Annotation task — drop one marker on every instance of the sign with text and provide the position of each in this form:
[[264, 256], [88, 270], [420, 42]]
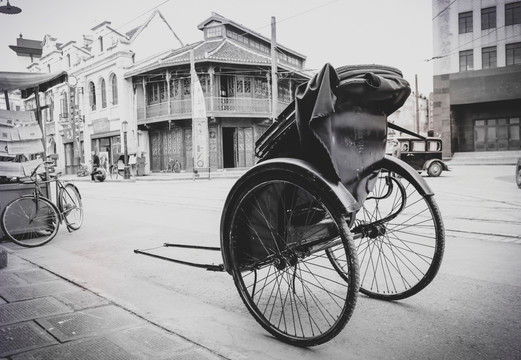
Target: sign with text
[[199, 121]]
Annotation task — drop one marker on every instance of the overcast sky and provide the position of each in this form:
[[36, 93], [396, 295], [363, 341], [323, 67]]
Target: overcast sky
[[341, 32]]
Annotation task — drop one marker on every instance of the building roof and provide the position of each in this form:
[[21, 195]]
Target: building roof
[[217, 18], [224, 50], [27, 46]]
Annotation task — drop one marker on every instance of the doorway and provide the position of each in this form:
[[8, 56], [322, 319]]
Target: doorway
[[497, 134], [229, 147]]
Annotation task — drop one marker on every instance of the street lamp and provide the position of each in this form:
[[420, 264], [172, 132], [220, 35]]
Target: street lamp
[[124, 128]]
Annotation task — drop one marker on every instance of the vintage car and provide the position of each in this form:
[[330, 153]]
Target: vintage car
[[518, 173], [421, 154]]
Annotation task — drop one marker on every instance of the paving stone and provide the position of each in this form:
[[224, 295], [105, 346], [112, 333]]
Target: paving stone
[[31, 309], [89, 322], [2, 302], [32, 291], [82, 299], [15, 263], [36, 276], [196, 354], [150, 342], [22, 337], [10, 279], [87, 349]]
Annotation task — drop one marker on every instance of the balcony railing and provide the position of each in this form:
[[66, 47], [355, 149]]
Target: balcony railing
[[217, 106]]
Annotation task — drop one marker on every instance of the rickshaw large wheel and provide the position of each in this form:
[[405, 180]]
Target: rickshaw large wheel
[[280, 226], [399, 235]]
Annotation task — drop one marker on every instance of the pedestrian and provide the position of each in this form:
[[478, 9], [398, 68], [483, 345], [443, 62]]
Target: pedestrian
[[95, 165]]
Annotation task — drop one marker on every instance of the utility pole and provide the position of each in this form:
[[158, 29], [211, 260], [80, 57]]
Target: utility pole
[[274, 82], [417, 105]]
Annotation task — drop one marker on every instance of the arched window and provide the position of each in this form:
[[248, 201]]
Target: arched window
[[103, 94], [92, 96], [114, 84]]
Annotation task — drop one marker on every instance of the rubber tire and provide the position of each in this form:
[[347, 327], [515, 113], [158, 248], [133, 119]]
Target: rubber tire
[[399, 242], [70, 193], [435, 169], [241, 204], [28, 202]]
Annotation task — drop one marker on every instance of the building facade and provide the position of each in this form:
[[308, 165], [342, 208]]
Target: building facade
[[477, 74], [133, 77], [86, 114], [233, 66]]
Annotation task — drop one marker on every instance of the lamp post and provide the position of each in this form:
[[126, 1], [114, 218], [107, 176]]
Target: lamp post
[[124, 128]]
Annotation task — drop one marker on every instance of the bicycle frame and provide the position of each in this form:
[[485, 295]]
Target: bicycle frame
[[59, 186]]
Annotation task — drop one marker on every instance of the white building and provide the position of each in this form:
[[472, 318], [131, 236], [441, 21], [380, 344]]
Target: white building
[[88, 116], [477, 74]]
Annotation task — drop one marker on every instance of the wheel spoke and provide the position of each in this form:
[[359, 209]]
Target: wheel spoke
[[291, 288]]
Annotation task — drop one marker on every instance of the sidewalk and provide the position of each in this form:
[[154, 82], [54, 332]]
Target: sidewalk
[[43, 316], [188, 175]]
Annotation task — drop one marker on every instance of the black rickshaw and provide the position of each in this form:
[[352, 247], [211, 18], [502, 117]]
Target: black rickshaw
[[325, 213]]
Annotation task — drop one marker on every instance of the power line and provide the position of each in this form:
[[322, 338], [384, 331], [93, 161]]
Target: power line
[[118, 28], [446, 7], [453, 51]]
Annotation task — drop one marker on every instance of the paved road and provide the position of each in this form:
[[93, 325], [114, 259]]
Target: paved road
[[470, 311]]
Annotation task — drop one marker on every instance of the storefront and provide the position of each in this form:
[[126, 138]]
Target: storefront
[[74, 151], [105, 142], [231, 143]]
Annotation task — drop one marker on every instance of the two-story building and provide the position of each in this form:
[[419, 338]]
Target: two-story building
[[477, 74], [234, 67]]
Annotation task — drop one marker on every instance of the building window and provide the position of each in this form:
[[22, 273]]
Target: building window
[[49, 67], [465, 22], [100, 44], [488, 18], [513, 54], [68, 60], [513, 13], [64, 106], [489, 57], [103, 94], [213, 32], [114, 85], [92, 96], [466, 60], [187, 83]]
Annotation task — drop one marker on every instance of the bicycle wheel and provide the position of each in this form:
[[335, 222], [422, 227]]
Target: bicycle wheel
[[30, 224], [399, 236], [281, 223], [71, 207]]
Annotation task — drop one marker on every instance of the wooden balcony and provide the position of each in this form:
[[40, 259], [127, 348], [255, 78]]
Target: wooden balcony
[[215, 106]]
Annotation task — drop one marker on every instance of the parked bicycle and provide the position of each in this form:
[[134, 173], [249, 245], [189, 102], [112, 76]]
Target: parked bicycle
[[83, 171], [33, 220]]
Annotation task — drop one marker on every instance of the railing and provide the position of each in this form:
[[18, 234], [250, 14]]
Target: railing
[[214, 105]]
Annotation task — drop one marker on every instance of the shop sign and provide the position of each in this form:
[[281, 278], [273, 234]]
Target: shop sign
[[101, 125]]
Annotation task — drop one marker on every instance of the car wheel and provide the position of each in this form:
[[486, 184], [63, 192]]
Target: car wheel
[[434, 169]]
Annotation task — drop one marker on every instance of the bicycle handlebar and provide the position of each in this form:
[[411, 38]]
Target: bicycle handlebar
[[46, 163]]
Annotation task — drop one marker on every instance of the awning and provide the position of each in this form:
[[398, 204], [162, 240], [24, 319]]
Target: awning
[[105, 134], [27, 81]]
